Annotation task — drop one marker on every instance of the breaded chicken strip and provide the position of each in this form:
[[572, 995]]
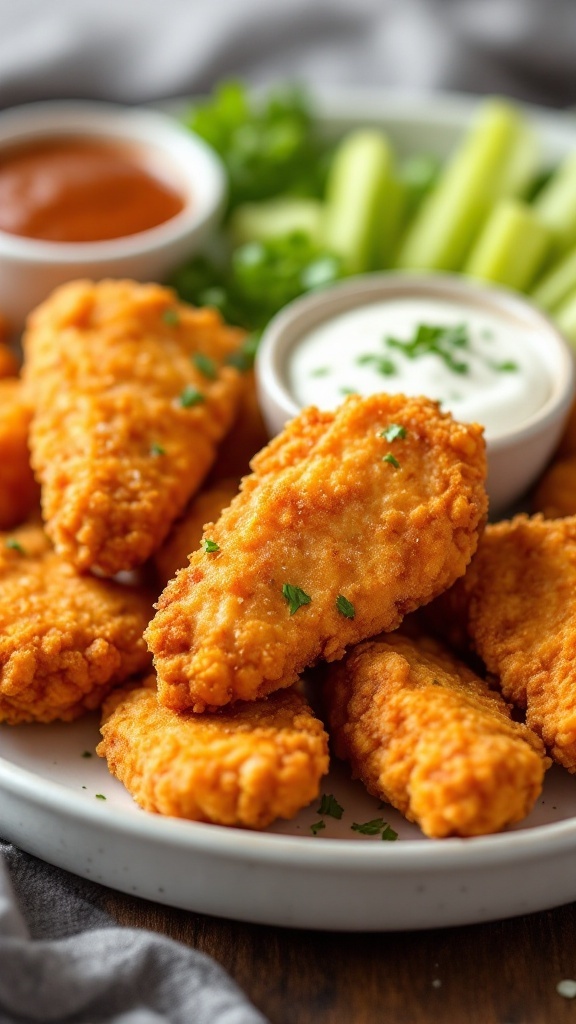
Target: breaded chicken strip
[[65, 640], [555, 495], [426, 734], [349, 521], [19, 492], [245, 766], [8, 361], [517, 605], [132, 393], [246, 436], [187, 532]]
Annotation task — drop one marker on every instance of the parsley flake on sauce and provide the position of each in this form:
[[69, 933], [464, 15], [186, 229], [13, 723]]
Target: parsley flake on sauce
[[210, 545], [317, 827], [394, 431], [345, 607], [330, 806], [390, 458], [382, 364], [295, 597], [14, 545], [432, 339], [100, 796], [171, 317], [190, 397], [205, 365], [156, 450]]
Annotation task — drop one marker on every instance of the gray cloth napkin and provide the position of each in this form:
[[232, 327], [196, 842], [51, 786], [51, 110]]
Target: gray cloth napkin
[[63, 959]]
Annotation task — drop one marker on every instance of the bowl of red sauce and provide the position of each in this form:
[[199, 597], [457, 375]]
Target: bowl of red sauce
[[98, 190]]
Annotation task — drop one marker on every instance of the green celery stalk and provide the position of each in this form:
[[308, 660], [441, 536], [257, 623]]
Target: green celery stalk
[[358, 180], [512, 246], [275, 218], [565, 317], [497, 158], [557, 283], [556, 204]]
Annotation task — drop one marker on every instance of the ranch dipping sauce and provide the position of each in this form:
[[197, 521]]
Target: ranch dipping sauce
[[482, 367]]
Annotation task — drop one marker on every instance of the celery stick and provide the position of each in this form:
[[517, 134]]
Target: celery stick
[[275, 218], [557, 283], [391, 221], [512, 246], [358, 180], [497, 158], [556, 204], [565, 317]]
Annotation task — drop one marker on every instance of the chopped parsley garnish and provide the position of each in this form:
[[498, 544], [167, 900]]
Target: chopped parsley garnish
[[317, 827], [14, 545], [243, 358], [388, 834], [87, 753], [348, 391], [390, 458], [171, 317], [382, 364], [431, 339], [321, 371], [206, 365], [191, 396], [100, 796], [508, 366], [374, 828], [345, 607], [330, 806], [210, 545], [394, 431], [295, 597], [156, 450]]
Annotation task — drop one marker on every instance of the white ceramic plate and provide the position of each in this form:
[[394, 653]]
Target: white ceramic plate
[[337, 879]]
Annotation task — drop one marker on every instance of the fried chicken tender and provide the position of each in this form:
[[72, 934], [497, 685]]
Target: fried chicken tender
[[517, 605], [19, 492], [247, 436], [245, 766], [424, 733], [187, 532], [324, 516], [555, 495], [8, 361], [65, 640], [132, 394]]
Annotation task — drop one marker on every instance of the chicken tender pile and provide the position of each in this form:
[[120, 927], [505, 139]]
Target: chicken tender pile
[[140, 415], [425, 733]]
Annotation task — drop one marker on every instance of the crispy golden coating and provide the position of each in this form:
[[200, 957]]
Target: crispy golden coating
[[132, 394], [19, 492], [187, 532], [65, 640], [555, 495], [8, 361], [246, 436], [325, 512], [426, 734], [517, 604], [245, 766]]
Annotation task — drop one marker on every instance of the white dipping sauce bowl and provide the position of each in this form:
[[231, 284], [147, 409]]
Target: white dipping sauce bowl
[[517, 456], [31, 268]]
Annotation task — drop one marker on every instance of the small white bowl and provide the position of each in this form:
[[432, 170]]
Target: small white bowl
[[30, 268], [517, 456]]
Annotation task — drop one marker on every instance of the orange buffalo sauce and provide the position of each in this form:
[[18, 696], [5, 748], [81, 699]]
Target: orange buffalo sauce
[[82, 190]]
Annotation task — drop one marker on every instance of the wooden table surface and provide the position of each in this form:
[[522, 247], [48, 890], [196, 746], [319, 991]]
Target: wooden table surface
[[501, 973]]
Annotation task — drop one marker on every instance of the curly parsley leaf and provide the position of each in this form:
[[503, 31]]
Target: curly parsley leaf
[[345, 607], [317, 827], [391, 460], [205, 365], [330, 806], [210, 545], [190, 397], [295, 597], [393, 432]]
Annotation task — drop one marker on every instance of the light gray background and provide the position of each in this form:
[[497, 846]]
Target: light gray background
[[134, 50]]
